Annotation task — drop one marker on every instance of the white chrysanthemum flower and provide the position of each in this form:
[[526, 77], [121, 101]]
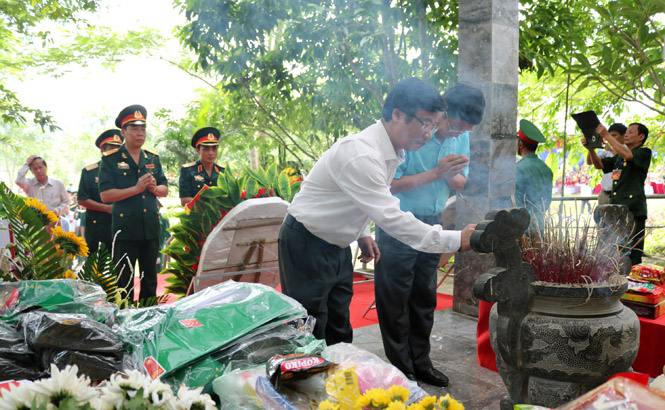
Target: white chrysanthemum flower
[[193, 399], [20, 396], [158, 393], [64, 383], [121, 386]]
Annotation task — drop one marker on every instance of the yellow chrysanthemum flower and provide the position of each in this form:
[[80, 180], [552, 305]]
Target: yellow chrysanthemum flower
[[71, 244], [47, 217], [397, 392], [448, 403], [328, 405], [396, 405], [428, 402], [415, 406], [289, 171], [373, 398], [67, 275]]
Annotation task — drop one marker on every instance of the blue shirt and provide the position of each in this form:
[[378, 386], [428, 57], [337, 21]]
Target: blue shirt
[[430, 199]]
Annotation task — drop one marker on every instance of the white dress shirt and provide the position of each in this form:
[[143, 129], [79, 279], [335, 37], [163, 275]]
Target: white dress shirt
[[52, 194], [606, 179], [350, 185]]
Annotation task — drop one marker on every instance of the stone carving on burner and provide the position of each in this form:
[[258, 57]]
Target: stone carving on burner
[[553, 342]]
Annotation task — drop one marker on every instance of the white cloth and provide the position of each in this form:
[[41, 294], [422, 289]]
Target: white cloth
[[350, 185], [606, 180], [53, 194]]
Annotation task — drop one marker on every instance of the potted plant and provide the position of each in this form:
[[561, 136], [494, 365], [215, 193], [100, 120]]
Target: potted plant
[[558, 327]]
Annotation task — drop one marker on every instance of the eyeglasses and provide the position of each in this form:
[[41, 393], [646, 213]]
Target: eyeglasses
[[454, 127], [427, 126]]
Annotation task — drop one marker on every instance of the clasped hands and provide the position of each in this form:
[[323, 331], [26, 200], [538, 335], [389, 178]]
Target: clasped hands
[[148, 182], [451, 165]]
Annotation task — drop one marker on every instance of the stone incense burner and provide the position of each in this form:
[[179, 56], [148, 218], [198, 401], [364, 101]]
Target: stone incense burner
[[552, 342]]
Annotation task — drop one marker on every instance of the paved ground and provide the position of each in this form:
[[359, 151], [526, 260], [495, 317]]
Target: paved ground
[[454, 353]]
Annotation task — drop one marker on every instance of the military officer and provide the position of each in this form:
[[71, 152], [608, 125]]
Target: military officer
[[533, 180], [629, 168], [132, 178], [194, 175], [98, 214]]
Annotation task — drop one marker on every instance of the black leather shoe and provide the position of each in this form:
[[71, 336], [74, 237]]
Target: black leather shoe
[[433, 377], [411, 377]]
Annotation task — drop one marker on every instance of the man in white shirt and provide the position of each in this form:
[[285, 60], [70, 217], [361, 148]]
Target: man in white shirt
[[347, 188], [617, 130], [50, 191]]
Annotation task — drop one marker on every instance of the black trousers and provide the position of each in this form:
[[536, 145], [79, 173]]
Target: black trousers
[[126, 253], [319, 275], [405, 289]]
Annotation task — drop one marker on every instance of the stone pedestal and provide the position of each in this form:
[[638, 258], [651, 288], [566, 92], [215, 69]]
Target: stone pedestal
[[488, 60]]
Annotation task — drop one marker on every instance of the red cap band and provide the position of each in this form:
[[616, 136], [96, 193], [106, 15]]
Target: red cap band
[[207, 139], [524, 138], [137, 116]]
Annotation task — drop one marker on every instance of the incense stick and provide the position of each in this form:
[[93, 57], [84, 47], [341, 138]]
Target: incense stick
[[469, 205]]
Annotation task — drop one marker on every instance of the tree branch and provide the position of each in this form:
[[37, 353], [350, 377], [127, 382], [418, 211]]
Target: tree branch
[[198, 77], [359, 75]]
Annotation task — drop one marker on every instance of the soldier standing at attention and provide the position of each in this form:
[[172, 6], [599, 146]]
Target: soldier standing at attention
[[533, 179], [98, 214], [194, 175], [132, 178]]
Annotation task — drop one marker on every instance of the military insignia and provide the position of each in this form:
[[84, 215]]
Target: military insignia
[[199, 168], [149, 166], [198, 178], [92, 166], [138, 115], [96, 180], [113, 151], [123, 165], [124, 156], [152, 152], [189, 164]]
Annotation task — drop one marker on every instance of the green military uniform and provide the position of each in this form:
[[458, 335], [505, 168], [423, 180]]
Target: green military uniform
[[97, 223], [533, 178], [193, 177], [628, 189], [135, 220]]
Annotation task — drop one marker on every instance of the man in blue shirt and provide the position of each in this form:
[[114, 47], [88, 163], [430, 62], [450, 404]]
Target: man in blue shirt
[[405, 280]]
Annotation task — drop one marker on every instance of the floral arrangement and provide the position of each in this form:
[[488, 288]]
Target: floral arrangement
[[208, 208], [65, 390], [394, 398], [40, 251]]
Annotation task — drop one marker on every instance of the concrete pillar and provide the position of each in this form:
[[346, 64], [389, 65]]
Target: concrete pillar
[[488, 60]]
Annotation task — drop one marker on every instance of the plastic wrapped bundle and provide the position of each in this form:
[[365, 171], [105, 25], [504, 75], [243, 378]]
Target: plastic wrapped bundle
[[58, 331], [57, 295], [19, 367], [97, 367], [11, 341], [255, 348], [171, 338], [16, 359]]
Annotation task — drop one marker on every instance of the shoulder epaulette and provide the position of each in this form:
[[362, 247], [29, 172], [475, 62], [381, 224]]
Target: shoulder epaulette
[[189, 164], [92, 166], [152, 152], [113, 151]]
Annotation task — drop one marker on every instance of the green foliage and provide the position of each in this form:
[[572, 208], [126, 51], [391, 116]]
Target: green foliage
[[35, 255], [27, 44], [99, 269], [207, 210], [299, 75]]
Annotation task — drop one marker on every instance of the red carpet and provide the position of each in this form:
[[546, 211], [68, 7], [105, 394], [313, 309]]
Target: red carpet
[[363, 295]]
